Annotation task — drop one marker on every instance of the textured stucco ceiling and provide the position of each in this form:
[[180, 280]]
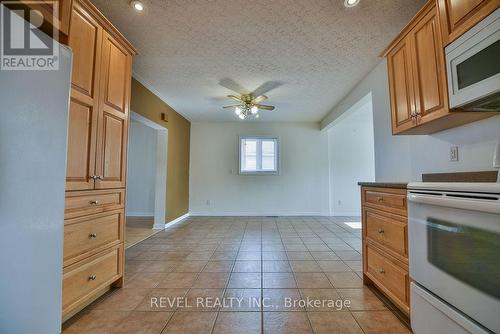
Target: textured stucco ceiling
[[316, 49]]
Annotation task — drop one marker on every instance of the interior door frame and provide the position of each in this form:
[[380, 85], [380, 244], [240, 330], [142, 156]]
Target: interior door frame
[[160, 206]]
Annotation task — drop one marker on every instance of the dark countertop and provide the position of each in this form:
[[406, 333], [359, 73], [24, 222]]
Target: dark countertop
[[397, 185]]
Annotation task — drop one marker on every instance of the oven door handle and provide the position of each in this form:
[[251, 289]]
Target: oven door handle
[[474, 204]]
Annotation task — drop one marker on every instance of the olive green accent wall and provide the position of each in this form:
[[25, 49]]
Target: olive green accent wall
[[144, 102]]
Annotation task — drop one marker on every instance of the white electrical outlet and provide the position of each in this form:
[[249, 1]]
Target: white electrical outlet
[[454, 153], [496, 155]]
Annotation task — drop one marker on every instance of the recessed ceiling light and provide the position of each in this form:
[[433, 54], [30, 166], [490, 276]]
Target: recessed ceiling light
[[137, 5], [350, 3]]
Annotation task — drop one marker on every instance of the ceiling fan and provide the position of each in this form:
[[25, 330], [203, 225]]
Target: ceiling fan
[[248, 105]]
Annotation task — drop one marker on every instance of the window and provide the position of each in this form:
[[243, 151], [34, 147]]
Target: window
[[258, 155]]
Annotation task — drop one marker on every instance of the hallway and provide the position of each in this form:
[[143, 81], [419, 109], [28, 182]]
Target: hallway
[[279, 261]]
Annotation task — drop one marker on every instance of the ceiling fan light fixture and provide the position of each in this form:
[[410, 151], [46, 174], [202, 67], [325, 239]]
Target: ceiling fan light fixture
[[351, 3], [254, 109], [241, 116], [237, 111]]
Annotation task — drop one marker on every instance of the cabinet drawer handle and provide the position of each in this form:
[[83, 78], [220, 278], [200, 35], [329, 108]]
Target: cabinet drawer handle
[[93, 235], [381, 270], [380, 199], [93, 202], [381, 231], [92, 277]]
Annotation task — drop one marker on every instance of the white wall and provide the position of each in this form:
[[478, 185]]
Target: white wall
[[405, 158], [141, 170], [301, 188], [351, 157]]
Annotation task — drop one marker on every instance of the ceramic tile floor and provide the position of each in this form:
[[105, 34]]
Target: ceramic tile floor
[[137, 229], [183, 279]]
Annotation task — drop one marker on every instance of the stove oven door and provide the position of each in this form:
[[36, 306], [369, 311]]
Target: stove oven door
[[454, 253]]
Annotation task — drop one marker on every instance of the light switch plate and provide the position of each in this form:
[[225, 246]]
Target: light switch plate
[[454, 153]]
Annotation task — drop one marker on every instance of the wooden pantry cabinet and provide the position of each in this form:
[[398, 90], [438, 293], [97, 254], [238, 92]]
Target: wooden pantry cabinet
[[56, 20], [418, 85], [97, 156], [385, 243]]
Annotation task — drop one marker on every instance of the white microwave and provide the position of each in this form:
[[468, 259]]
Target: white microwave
[[473, 65]]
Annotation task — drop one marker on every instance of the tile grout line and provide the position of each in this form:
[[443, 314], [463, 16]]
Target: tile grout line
[[230, 274], [300, 292]]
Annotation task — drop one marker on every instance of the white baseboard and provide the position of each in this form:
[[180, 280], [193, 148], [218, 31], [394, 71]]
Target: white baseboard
[[257, 214], [177, 220], [345, 213], [139, 214]]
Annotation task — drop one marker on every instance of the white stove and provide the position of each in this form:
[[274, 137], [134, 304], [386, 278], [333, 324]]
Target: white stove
[[454, 241]]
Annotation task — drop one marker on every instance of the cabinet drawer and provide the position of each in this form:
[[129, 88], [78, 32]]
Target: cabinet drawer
[[86, 235], [387, 231], [84, 278], [391, 278], [386, 199], [80, 203]]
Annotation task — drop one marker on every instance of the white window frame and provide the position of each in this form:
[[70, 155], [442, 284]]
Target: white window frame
[[259, 156]]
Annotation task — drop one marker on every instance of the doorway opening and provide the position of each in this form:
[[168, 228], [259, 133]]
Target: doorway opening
[[351, 155], [146, 179]]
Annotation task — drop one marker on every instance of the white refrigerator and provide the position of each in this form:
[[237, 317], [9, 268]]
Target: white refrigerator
[[33, 137]]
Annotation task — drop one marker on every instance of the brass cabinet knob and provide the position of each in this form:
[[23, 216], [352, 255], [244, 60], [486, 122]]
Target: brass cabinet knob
[[380, 230], [381, 270], [93, 202], [380, 199], [92, 277], [93, 235]]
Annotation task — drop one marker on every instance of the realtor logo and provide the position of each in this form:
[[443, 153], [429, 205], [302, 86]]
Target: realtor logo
[[23, 45]]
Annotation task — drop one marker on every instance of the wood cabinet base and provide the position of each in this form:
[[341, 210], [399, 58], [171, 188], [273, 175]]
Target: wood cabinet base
[[385, 244]]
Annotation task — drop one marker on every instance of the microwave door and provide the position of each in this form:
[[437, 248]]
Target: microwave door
[[473, 66]]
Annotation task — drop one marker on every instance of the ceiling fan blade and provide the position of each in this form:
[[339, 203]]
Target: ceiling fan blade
[[233, 85], [259, 99], [266, 87], [234, 97], [264, 107], [233, 106]]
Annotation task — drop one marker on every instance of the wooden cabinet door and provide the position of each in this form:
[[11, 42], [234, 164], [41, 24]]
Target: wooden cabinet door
[[85, 41], [431, 97], [114, 103], [458, 16], [401, 86]]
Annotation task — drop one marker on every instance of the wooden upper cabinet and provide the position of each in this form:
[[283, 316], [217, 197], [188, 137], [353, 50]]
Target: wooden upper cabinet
[[458, 16], [111, 160], [417, 73], [85, 41], [431, 95], [401, 86], [418, 86]]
